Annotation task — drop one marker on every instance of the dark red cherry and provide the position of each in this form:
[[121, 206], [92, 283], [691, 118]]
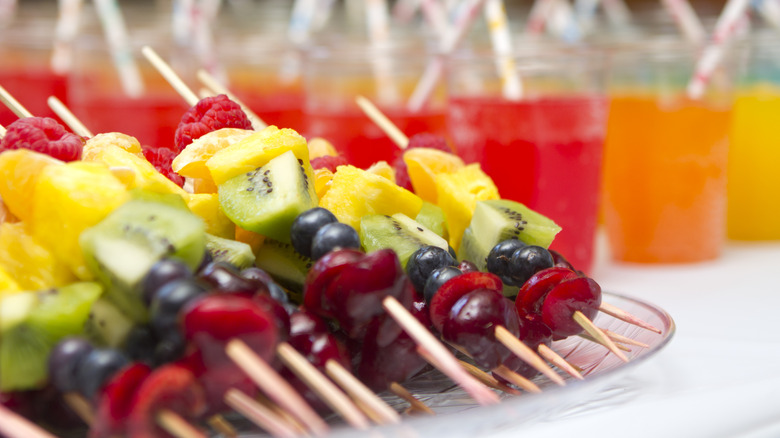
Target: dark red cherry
[[531, 296], [576, 294], [456, 287], [116, 400], [320, 276]]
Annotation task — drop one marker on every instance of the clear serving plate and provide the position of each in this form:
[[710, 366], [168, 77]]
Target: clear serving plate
[[458, 416]]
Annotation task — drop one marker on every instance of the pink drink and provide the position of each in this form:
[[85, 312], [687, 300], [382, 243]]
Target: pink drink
[[545, 153]]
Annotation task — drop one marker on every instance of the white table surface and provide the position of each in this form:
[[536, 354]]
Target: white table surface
[[716, 378]]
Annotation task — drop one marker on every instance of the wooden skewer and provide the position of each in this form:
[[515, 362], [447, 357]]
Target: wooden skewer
[[212, 83], [283, 415], [222, 426], [167, 72], [487, 379], [516, 379], [414, 402], [554, 358], [624, 339], [80, 406], [327, 390], [384, 123], [177, 426], [13, 425], [443, 359], [68, 117], [275, 386], [598, 335], [2, 131], [13, 104], [373, 406], [259, 414], [525, 353], [622, 315], [590, 338]]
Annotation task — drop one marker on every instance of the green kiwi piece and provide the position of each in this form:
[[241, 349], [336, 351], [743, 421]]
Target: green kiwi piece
[[31, 323], [397, 232], [107, 325], [237, 253], [497, 220], [122, 248], [268, 199], [282, 262], [431, 216]]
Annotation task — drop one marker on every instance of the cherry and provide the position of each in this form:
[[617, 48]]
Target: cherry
[[227, 278], [116, 400], [577, 294], [531, 296], [276, 309], [456, 287], [321, 274]]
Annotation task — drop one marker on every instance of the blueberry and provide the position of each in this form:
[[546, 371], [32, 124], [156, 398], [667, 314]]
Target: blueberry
[[166, 304], [170, 348], [332, 236], [424, 261], [160, 273], [140, 344], [306, 225], [64, 362], [97, 368], [527, 261], [438, 277], [499, 256]]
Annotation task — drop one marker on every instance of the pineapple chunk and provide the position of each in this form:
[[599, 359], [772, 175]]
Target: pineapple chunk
[[94, 145], [19, 173], [8, 285], [354, 193], [31, 265], [458, 192], [206, 205], [69, 199], [191, 162]]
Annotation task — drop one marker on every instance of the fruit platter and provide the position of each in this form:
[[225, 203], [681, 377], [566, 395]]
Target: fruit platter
[[249, 281]]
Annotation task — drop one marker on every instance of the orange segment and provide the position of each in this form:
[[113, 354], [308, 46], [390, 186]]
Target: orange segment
[[19, 173], [191, 162], [382, 169], [98, 142], [322, 179], [423, 164], [319, 147]]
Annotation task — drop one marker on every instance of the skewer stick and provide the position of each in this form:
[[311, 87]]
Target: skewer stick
[[487, 379], [259, 414], [283, 415], [554, 358], [13, 104], [177, 426], [444, 360], [414, 402], [516, 379], [211, 83], [274, 386], [384, 123], [376, 408], [624, 339], [80, 406], [597, 334], [525, 353], [13, 425], [167, 72], [68, 117], [622, 315], [222, 426], [592, 339], [327, 390]]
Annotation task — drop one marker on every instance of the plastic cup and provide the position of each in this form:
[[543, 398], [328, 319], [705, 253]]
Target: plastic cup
[[665, 156], [335, 74], [543, 150], [753, 177]]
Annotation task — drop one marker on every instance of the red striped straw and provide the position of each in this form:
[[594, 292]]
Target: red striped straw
[[537, 18], [770, 11], [686, 19], [405, 10], [436, 16], [713, 53], [64, 33], [512, 87]]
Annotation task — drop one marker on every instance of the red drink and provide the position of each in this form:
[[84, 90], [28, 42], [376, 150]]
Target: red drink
[[31, 87], [545, 153], [283, 109]]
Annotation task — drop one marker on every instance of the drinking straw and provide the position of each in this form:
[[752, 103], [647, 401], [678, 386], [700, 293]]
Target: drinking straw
[[713, 53], [686, 19], [436, 16], [322, 14], [65, 32], [378, 24], [563, 23], [769, 10], [404, 10], [537, 17], [7, 11], [495, 13], [119, 45], [299, 29], [435, 67], [585, 11], [205, 13], [182, 24], [617, 12]]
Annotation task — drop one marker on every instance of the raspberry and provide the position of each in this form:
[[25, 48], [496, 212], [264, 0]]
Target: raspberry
[[209, 114], [161, 158], [329, 162], [44, 135], [402, 174], [428, 140]]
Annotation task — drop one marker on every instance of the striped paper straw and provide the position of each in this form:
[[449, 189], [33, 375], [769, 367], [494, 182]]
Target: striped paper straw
[[205, 13], [686, 19], [501, 38], [65, 32], [405, 10], [299, 29], [537, 18], [769, 10], [563, 23], [119, 45], [713, 53], [436, 16], [182, 21], [435, 67], [378, 23], [322, 14], [585, 11]]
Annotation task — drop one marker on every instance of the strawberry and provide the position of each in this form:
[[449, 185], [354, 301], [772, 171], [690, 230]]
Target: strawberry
[[161, 158], [44, 135], [209, 114]]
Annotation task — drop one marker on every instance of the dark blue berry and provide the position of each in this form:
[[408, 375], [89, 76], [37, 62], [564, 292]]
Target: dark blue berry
[[332, 236], [306, 225], [170, 348], [498, 259], [164, 311], [160, 273], [97, 368], [527, 261], [437, 278], [64, 362], [140, 344], [424, 261]]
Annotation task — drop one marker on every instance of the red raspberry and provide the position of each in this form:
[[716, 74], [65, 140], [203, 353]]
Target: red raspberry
[[402, 174], [44, 135], [161, 158], [209, 114], [329, 162], [428, 140]]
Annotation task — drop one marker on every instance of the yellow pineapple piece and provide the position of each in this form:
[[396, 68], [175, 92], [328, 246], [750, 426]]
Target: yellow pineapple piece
[[382, 169], [354, 193], [319, 147], [123, 141], [8, 285], [69, 199], [203, 185], [191, 162], [458, 192], [423, 164], [31, 265], [255, 151], [206, 206], [19, 172]]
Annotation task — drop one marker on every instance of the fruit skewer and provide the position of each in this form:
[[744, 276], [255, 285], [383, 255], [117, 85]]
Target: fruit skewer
[[68, 117], [16, 426]]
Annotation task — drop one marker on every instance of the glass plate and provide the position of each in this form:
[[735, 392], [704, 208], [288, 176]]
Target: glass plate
[[458, 416]]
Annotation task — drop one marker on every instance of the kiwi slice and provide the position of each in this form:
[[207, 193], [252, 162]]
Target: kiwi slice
[[107, 325], [497, 220], [286, 265], [398, 232], [268, 199], [31, 323], [122, 248], [239, 254], [432, 217]]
